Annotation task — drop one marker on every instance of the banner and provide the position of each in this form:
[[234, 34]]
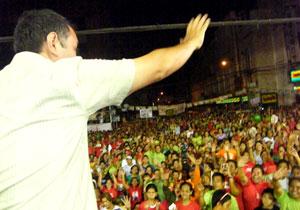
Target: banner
[[100, 127], [169, 110], [145, 113], [269, 98]]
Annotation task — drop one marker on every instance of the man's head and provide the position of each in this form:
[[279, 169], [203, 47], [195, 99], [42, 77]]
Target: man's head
[[294, 188], [218, 180], [45, 32], [296, 172], [257, 174], [106, 200]]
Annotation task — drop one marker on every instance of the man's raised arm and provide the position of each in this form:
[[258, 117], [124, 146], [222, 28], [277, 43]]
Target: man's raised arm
[[161, 63]]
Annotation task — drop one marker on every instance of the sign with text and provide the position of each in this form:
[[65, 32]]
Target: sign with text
[[295, 75], [168, 110], [146, 113], [269, 98]]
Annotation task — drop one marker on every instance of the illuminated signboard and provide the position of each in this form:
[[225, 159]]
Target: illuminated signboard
[[295, 75], [297, 88], [269, 98], [229, 100], [245, 98]]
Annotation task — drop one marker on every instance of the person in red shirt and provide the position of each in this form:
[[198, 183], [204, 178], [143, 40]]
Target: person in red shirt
[[110, 187], [186, 191], [152, 202], [252, 187], [232, 183], [135, 191]]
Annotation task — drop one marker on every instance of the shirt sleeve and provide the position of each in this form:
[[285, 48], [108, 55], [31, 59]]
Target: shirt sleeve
[[281, 199], [103, 83]]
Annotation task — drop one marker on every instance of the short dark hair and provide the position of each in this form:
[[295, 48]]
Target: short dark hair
[[220, 196], [33, 27], [292, 179], [258, 166], [283, 161], [190, 186], [269, 191], [220, 175]]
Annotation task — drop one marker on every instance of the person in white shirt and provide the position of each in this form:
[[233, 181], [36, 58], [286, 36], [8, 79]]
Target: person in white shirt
[[127, 164], [47, 94]]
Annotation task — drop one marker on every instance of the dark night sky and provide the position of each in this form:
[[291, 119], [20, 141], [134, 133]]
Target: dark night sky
[[95, 14]]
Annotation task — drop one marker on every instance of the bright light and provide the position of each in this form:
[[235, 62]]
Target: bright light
[[161, 93], [157, 99], [224, 62]]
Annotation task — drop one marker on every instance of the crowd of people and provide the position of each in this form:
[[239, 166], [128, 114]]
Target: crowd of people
[[210, 159]]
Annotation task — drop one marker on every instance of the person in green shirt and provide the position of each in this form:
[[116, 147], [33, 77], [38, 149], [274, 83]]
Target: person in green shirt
[[218, 184], [158, 156], [290, 200]]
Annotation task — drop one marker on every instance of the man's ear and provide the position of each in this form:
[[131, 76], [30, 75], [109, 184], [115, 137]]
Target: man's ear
[[53, 43]]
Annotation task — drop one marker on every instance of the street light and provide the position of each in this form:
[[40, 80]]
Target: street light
[[161, 93], [224, 62]]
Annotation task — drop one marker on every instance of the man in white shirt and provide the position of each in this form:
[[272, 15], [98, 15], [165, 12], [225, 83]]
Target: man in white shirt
[[47, 94], [127, 164]]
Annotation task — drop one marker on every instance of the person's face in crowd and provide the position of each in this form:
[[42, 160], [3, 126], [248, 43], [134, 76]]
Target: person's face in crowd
[[257, 176], [129, 161], [207, 169], [175, 164], [218, 183], [205, 180], [175, 175], [227, 145], [174, 156], [134, 170], [139, 149], [185, 192], [220, 131], [163, 165], [286, 168], [119, 156], [296, 172], [157, 149], [258, 146], [145, 160], [102, 165], [264, 156], [206, 134], [147, 147], [134, 182], [232, 168], [258, 137], [267, 200], [105, 156], [149, 170], [151, 194], [270, 133], [120, 174], [221, 161], [106, 203], [281, 151], [294, 189], [108, 184]]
